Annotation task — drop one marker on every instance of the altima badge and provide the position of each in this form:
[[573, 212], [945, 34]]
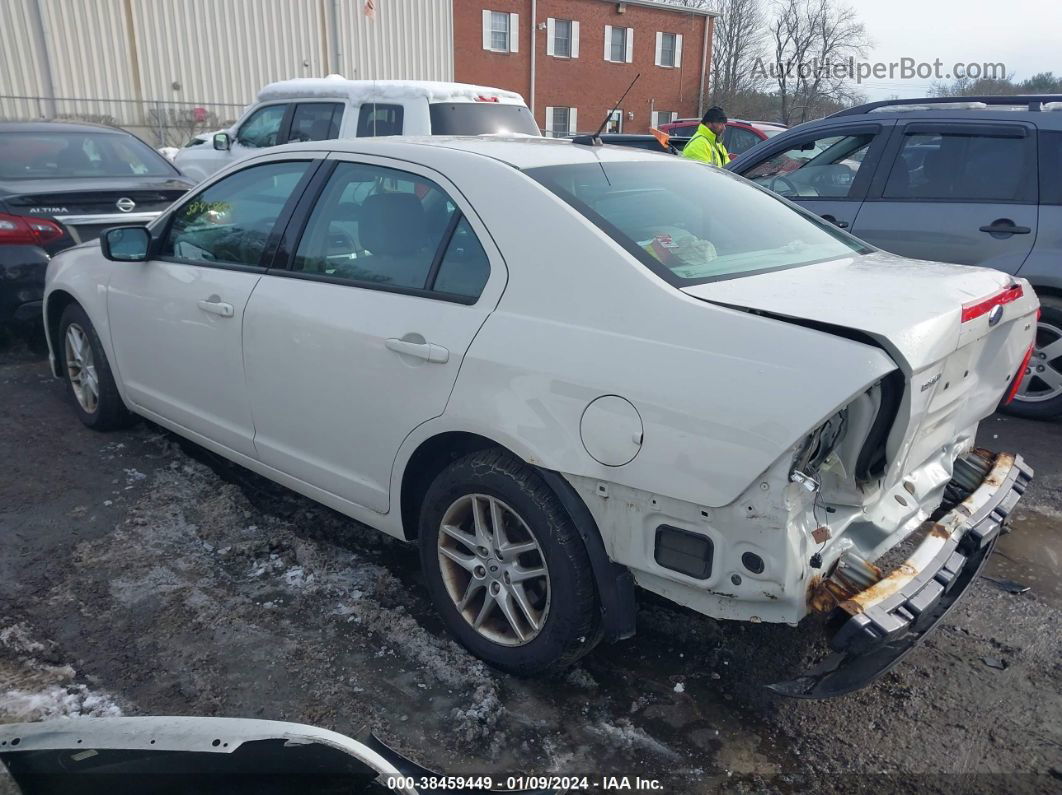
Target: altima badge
[[125, 204]]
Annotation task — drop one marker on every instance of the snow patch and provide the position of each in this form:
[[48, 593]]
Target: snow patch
[[56, 701], [359, 91]]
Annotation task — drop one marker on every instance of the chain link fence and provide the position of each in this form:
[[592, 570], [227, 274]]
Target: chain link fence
[[160, 124]]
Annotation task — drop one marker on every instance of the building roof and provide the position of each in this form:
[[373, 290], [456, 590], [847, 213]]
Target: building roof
[[664, 6]]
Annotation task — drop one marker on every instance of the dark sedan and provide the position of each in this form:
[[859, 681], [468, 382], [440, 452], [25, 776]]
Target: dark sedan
[[60, 185]]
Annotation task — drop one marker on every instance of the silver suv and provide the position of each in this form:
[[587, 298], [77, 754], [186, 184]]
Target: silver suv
[[976, 181]]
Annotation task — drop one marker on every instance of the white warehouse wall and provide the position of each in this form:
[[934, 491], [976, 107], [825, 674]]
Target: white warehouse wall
[[213, 51]]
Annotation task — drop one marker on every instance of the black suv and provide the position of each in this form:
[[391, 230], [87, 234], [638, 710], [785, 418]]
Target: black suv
[[973, 180]]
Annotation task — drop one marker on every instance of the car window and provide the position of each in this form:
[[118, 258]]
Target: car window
[[481, 118], [384, 227], [961, 167], [739, 140], [376, 119], [820, 168], [657, 212], [230, 221], [1050, 167], [315, 121], [465, 267], [263, 127], [58, 155]]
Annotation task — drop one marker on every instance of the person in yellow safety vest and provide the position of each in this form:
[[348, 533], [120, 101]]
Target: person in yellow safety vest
[[706, 144]]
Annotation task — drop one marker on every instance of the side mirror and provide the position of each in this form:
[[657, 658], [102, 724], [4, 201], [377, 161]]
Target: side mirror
[[126, 243], [222, 141]]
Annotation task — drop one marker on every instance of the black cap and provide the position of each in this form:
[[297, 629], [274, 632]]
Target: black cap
[[714, 114]]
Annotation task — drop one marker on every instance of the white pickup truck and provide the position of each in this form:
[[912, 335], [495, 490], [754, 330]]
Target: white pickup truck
[[319, 109]]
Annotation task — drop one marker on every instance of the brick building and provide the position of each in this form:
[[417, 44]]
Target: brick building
[[572, 59]]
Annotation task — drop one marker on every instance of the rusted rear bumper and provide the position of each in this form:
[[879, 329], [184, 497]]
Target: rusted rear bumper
[[876, 627]]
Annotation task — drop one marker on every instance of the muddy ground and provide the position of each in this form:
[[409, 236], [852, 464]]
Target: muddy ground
[[135, 579]]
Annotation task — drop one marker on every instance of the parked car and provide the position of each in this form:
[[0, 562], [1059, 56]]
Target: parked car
[[974, 182], [60, 184], [730, 403], [739, 136], [327, 108]]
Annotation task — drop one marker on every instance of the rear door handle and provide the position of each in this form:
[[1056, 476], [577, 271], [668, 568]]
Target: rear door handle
[[1005, 226], [436, 354], [216, 308]]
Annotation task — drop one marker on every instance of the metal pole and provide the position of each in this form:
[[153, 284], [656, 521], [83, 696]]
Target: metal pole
[[333, 22], [709, 23], [43, 61], [534, 26]]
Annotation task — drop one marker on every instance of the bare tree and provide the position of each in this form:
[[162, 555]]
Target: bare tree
[[811, 40], [737, 42]]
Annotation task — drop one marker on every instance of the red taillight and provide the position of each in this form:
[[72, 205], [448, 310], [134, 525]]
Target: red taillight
[[28, 230], [986, 305], [484, 98], [1018, 377]]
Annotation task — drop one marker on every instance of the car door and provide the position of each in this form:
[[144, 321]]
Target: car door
[[176, 319], [355, 337], [314, 121], [827, 171], [956, 191]]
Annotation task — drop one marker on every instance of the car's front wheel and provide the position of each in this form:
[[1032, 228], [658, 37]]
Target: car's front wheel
[[506, 567], [87, 372], [1040, 394]]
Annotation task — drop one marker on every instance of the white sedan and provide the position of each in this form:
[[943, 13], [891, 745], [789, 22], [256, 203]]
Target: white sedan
[[567, 370]]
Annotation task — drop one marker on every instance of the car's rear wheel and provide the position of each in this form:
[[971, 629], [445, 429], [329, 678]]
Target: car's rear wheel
[[506, 567], [1040, 394], [86, 370]]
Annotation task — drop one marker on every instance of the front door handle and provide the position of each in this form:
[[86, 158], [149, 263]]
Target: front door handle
[[1005, 226], [436, 354], [835, 222], [215, 307]]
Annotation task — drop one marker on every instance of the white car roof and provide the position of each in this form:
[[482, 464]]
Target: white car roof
[[519, 151], [358, 91]]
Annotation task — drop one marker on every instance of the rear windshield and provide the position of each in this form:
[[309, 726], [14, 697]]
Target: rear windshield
[[66, 155], [692, 223], [477, 118]]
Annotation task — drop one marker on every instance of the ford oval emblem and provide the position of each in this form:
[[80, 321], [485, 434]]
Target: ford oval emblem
[[125, 204], [995, 315]]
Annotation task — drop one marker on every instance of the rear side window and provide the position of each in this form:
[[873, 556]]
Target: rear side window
[[376, 119], [740, 140], [481, 118], [963, 167], [1051, 167], [380, 227], [315, 121], [230, 221]]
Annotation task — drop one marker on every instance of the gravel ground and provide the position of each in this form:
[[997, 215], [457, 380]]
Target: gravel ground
[[137, 578]]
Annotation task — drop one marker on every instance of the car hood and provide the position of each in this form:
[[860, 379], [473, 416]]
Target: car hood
[[912, 308]]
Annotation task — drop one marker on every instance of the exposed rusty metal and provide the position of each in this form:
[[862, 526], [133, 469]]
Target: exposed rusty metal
[[852, 575]]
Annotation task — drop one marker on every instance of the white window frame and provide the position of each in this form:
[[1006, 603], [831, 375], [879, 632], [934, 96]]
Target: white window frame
[[513, 31], [551, 38], [573, 121], [615, 115], [629, 42], [659, 60], [663, 117]]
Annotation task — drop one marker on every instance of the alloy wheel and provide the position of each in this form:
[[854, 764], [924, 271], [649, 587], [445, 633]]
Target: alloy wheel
[[81, 368], [1042, 379], [494, 570]]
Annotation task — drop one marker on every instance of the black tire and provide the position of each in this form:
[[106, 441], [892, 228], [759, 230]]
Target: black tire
[[571, 625], [1050, 323], [109, 412]]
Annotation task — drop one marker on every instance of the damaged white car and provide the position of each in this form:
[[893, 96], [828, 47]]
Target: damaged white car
[[565, 370]]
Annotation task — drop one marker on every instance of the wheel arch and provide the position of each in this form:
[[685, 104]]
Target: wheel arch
[[55, 303], [614, 583]]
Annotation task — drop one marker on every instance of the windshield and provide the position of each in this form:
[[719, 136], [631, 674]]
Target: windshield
[[477, 118], [692, 223], [44, 155]]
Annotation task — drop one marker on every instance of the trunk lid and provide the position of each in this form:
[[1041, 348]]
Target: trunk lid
[[956, 371]]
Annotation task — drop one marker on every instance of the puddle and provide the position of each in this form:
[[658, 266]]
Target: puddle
[[1031, 554]]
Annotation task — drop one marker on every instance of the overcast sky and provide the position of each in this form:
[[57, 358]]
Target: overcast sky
[[1026, 35]]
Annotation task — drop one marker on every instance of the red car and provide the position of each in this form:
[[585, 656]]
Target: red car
[[739, 137]]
